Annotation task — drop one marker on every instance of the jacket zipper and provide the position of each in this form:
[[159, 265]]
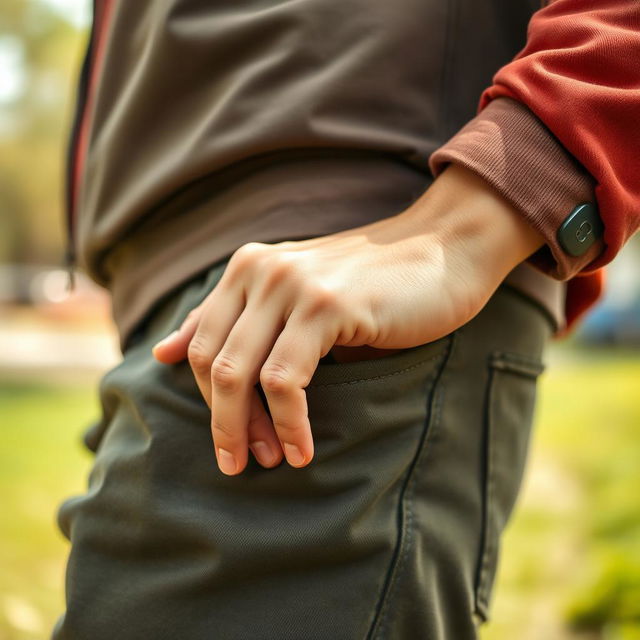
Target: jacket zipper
[[79, 129]]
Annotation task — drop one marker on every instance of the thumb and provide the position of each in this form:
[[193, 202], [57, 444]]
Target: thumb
[[174, 347]]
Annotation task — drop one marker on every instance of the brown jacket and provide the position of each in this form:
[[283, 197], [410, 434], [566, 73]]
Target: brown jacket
[[202, 125]]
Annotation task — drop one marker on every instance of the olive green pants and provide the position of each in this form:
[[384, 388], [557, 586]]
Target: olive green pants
[[391, 532]]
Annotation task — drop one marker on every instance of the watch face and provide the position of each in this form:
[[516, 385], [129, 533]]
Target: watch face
[[581, 229]]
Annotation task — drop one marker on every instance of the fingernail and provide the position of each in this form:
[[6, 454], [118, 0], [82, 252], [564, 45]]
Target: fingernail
[[226, 461], [263, 452], [170, 337], [294, 455]]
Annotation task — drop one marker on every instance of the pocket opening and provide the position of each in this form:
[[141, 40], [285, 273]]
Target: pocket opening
[[329, 372]]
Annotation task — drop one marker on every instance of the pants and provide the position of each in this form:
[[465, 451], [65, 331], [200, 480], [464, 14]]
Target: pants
[[391, 532]]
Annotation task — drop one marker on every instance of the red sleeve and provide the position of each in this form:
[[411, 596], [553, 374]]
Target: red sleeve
[[579, 73]]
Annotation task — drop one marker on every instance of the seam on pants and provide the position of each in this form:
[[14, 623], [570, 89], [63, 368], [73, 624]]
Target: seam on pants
[[405, 522], [380, 377], [480, 603]]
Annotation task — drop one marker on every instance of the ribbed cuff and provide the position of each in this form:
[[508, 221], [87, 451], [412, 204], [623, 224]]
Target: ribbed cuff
[[508, 146]]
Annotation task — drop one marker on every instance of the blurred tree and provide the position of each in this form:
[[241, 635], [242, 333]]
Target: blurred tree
[[40, 56]]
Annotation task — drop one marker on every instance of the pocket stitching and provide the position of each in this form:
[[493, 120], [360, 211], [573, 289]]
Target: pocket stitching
[[519, 365], [516, 363], [486, 549], [379, 377]]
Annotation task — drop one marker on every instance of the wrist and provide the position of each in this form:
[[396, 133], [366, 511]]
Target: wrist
[[465, 214]]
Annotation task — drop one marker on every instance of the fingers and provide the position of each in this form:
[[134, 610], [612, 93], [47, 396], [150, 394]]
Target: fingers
[[216, 321], [283, 360], [285, 374], [232, 344], [263, 441], [233, 374], [174, 347]]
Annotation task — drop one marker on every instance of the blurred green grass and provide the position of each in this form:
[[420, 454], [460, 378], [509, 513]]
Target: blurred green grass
[[41, 463], [570, 566]]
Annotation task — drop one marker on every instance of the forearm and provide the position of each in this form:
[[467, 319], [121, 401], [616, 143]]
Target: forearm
[[472, 220], [508, 147]]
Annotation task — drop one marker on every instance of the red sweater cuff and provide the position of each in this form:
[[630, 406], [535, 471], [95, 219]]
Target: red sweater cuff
[[508, 146]]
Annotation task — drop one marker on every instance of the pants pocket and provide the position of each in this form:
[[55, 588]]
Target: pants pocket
[[510, 405], [164, 545]]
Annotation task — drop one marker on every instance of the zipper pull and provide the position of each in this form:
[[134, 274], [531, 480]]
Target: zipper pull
[[70, 259]]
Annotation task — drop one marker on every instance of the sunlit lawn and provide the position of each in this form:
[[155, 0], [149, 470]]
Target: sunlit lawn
[[572, 551], [40, 463]]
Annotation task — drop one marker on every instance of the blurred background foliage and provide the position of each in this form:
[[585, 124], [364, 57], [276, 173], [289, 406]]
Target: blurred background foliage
[[39, 57], [570, 567]]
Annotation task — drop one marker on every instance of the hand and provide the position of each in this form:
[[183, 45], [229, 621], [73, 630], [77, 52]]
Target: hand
[[396, 283]]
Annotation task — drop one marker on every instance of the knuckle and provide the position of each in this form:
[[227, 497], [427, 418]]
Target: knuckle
[[280, 268], [324, 300], [222, 429], [275, 378], [225, 375], [197, 355], [246, 254], [287, 428]]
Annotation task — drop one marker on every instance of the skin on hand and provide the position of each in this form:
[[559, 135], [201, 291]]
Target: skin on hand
[[396, 283]]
